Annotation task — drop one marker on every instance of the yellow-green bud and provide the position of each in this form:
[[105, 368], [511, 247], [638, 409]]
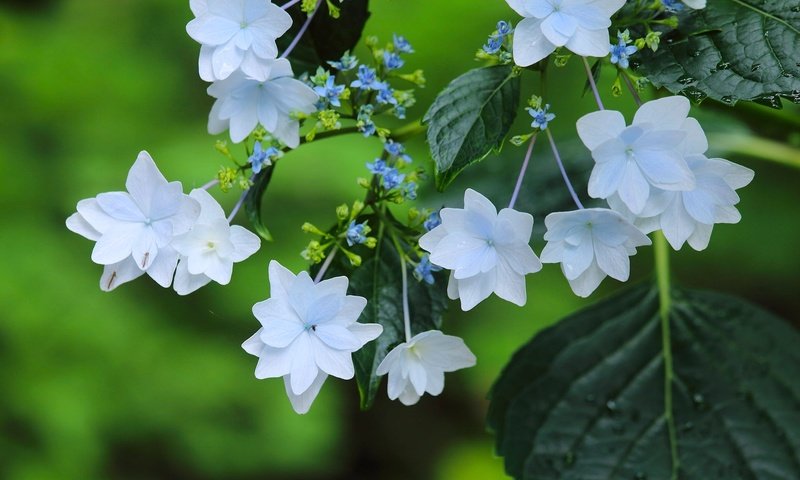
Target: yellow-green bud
[[357, 207], [535, 101], [652, 40], [333, 10], [413, 214], [342, 212], [345, 95], [639, 42], [355, 260], [313, 252], [310, 228], [371, 242], [308, 5], [363, 182], [329, 120], [561, 60], [616, 88], [371, 41], [226, 176], [244, 182]]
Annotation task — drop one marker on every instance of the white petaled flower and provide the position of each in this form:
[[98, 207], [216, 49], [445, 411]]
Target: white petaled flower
[[134, 229], [695, 4], [209, 250], [689, 216], [632, 161], [236, 34], [590, 244], [579, 25], [308, 331], [486, 251], [244, 102], [418, 366]]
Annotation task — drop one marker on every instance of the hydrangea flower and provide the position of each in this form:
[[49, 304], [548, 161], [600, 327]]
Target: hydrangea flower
[[424, 270], [134, 229], [541, 117], [486, 251], [386, 95], [621, 52], [689, 216], [410, 191], [367, 79], [493, 44], [242, 103], [378, 167], [579, 25], [392, 60], [209, 250], [236, 35], [347, 62], [262, 158], [677, 6], [356, 233], [308, 331], [504, 28], [401, 44], [396, 150], [364, 120], [418, 366], [590, 244], [392, 178], [650, 153], [330, 92], [433, 221]]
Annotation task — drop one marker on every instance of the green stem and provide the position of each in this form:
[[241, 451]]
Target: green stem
[[756, 147], [662, 278], [409, 130], [331, 133]]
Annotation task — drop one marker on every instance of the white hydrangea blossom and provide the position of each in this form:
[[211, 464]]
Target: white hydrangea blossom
[[418, 365], [591, 244], [689, 216], [244, 102], [235, 35], [308, 331], [486, 251], [632, 161], [209, 250], [579, 25], [134, 229], [695, 4]]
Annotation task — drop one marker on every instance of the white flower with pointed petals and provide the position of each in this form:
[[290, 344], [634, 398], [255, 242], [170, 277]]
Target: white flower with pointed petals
[[242, 103], [486, 251], [590, 244], [689, 216], [209, 250], [418, 366], [308, 331], [136, 228], [632, 161], [236, 34], [579, 25]]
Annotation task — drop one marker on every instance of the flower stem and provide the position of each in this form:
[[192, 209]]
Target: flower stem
[[563, 170], [237, 206], [404, 277], [661, 249], [409, 130], [301, 32], [326, 264], [522, 170], [290, 4], [634, 93], [211, 184], [592, 84]]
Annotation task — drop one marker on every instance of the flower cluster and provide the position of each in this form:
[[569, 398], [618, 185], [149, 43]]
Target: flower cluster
[[155, 228], [391, 183]]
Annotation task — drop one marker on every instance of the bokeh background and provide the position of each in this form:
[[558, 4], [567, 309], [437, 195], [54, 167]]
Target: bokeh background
[[141, 383]]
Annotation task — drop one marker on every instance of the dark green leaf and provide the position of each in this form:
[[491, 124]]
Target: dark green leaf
[[732, 50], [327, 38], [585, 399], [252, 201], [378, 279], [470, 118]]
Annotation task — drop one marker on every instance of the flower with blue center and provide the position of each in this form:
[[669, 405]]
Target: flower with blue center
[[425, 269], [392, 178], [392, 61], [541, 117], [347, 62], [493, 44], [356, 233], [396, 150], [433, 221], [401, 44], [330, 92], [386, 95], [504, 28], [621, 52], [262, 158], [367, 79], [378, 167]]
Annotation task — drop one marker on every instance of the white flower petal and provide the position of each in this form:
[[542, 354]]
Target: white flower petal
[[302, 403], [596, 128], [186, 283], [337, 337], [559, 27], [668, 113], [589, 43], [366, 332], [209, 29], [337, 363], [116, 244], [304, 368], [143, 180], [119, 273], [474, 290], [588, 281], [162, 268], [273, 362], [530, 44], [254, 345], [76, 223]]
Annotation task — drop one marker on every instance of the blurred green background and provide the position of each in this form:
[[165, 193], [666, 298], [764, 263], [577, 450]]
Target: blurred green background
[[141, 383]]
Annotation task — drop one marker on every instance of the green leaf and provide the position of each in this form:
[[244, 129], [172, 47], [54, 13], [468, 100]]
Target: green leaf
[[585, 398], [470, 118], [327, 38], [252, 201], [379, 280], [732, 50]]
